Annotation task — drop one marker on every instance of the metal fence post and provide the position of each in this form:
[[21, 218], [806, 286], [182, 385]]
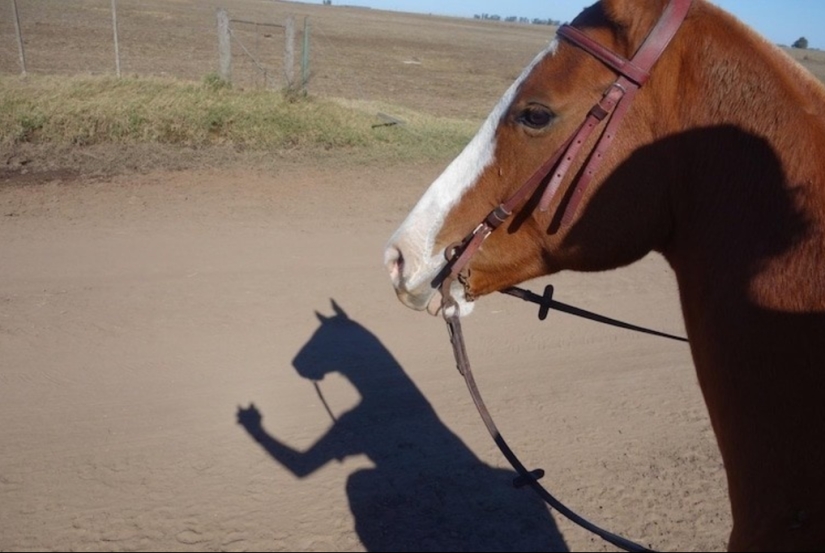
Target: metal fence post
[[20, 49]]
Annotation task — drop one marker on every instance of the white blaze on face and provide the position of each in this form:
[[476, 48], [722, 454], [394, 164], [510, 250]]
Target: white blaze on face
[[410, 256]]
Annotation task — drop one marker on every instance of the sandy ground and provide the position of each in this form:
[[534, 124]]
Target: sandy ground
[[144, 317]]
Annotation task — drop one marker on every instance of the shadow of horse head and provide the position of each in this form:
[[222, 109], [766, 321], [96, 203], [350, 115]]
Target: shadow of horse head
[[341, 345]]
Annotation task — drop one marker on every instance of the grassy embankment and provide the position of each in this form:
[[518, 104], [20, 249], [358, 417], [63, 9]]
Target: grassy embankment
[[85, 112]]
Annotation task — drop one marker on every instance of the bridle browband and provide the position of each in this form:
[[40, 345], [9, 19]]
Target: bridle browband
[[612, 108]]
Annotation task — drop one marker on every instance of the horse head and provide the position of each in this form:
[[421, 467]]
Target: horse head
[[534, 118]]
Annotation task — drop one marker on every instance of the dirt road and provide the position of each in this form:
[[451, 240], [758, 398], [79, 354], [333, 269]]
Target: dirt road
[[144, 318]]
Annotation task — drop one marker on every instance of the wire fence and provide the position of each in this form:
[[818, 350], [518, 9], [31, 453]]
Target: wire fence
[[443, 66], [147, 37]]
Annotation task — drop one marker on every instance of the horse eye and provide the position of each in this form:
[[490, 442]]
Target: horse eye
[[536, 117]]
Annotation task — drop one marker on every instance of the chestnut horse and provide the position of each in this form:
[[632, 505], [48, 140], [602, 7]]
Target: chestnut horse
[[719, 165]]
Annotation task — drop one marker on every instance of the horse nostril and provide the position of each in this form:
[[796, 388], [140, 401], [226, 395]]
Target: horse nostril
[[394, 261]]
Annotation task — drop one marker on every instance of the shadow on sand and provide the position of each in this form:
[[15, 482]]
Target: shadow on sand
[[428, 491]]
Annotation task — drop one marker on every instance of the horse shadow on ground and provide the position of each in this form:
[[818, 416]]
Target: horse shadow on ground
[[428, 491]]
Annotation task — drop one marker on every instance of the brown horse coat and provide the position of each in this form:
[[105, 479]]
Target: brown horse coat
[[720, 166]]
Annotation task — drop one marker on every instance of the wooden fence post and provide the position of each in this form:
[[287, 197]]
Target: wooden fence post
[[117, 45], [289, 53], [224, 46], [20, 49]]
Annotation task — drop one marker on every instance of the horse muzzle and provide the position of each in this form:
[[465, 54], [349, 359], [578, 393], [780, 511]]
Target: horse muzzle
[[416, 282]]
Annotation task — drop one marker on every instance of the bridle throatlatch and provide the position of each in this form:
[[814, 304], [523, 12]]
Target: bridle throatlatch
[[611, 109]]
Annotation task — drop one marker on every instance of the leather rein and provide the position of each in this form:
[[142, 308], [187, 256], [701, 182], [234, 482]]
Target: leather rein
[[612, 108]]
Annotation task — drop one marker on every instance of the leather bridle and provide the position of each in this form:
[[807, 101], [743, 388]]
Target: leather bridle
[[612, 108]]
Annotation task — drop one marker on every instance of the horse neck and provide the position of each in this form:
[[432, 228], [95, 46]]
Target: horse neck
[[747, 248], [752, 181]]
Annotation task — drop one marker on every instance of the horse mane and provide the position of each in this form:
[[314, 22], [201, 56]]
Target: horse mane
[[749, 54]]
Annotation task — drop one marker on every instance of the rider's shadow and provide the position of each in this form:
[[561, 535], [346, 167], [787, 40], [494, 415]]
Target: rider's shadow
[[428, 491]]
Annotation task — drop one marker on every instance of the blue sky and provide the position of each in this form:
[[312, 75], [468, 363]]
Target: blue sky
[[781, 21]]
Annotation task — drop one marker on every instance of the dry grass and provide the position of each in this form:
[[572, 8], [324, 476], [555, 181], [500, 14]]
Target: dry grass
[[441, 75], [356, 54], [62, 112], [461, 68]]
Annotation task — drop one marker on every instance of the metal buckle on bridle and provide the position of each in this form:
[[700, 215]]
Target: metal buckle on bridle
[[482, 228], [616, 84], [457, 269]]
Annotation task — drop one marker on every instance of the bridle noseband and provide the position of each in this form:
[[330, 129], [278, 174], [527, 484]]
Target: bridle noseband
[[612, 108]]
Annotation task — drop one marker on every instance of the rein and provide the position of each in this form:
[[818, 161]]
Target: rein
[[546, 303], [612, 108]]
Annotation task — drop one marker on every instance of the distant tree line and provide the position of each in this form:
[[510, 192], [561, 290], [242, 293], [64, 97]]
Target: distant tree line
[[515, 19]]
